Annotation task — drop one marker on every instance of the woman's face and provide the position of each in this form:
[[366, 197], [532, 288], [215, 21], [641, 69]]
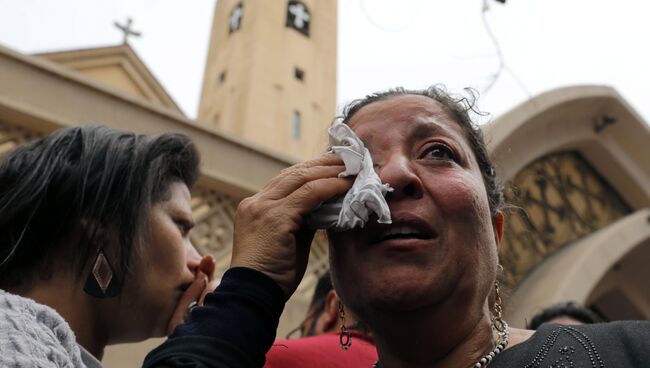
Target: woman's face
[[441, 242], [165, 267]]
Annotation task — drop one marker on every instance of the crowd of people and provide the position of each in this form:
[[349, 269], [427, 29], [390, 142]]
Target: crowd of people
[[95, 250]]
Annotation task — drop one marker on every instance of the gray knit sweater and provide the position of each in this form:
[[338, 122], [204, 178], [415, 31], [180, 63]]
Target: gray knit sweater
[[35, 335]]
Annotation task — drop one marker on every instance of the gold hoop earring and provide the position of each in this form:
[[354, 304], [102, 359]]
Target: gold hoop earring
[[345, 338], [497, 318]]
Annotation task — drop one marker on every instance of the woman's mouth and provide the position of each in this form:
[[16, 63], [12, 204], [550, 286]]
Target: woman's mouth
[[404, 234]]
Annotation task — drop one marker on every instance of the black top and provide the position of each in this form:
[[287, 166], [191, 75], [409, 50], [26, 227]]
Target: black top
[[602, 345], [236, 328]]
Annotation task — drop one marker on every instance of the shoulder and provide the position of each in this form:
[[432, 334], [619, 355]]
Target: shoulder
[[34, 334], [622, 337], [629, 335], [321, 351], [618, 328], [615, 344]]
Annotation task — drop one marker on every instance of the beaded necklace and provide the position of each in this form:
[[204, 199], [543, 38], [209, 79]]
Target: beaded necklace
[[483, 362]]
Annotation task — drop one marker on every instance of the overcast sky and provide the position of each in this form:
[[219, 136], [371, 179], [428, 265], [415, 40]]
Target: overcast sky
[[381, 43]]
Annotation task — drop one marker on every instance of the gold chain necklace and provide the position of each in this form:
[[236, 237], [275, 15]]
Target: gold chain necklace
[[483, 362]]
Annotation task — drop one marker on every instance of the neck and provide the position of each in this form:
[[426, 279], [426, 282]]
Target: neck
[[76, 308], [430, 338]]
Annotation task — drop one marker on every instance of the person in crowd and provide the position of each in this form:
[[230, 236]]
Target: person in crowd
[[322, 314], [321, 335], [94, 244], [425, 285], [566, 313]]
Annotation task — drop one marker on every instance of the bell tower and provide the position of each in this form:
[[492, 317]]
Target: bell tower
[[270, 75]]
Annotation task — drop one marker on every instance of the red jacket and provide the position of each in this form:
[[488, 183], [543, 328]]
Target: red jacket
[[322, 351]]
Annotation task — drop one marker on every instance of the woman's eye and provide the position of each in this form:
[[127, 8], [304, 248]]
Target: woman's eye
[[440, 152], [184, 227]]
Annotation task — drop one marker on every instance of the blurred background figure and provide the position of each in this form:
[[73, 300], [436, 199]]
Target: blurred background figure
[[567, 313], [320, 342], [322, 316]]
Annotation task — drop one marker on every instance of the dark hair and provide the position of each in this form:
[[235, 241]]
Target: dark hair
[[459, 107], [323, 287], [566, 309], [61, 194], [317, 306]]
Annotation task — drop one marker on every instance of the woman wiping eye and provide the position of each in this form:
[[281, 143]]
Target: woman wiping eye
[[424, 284]]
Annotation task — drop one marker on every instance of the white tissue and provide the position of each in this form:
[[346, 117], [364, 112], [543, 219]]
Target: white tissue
[[367, 193]]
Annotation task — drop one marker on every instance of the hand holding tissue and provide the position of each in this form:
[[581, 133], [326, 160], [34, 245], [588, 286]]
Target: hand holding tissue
[[367, 195]]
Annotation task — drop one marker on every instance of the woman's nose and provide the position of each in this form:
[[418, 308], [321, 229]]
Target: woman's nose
[[398, 173], [192, 256]]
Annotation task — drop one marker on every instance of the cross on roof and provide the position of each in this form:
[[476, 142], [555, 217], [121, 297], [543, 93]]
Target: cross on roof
[[127, 30]]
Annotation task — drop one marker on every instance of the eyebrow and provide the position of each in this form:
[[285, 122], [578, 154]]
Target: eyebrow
[[421, 130], [177, 211]]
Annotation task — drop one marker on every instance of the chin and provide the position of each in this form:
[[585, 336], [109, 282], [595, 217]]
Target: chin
[[405, 289], [158, 332], [159, 327], [404, 299], [162, 315], [397, 296]]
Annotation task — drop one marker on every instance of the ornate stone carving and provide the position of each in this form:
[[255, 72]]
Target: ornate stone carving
[[213, 230], [553, 201]]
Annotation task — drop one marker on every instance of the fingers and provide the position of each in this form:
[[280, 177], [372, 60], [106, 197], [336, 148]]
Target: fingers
[[207, 266], [311, 194], [328, 159], [193, 293], [294, 179], [295, 176], [212, 285]]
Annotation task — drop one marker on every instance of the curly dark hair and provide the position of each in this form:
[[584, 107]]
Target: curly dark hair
[[53, 188], [459, 107]]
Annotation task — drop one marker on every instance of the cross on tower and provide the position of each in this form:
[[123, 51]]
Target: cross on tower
[[127, 30], [300, 15], [235, 18]]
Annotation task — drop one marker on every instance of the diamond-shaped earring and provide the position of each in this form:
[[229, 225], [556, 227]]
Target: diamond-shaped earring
[[102, 281], [102, 271]]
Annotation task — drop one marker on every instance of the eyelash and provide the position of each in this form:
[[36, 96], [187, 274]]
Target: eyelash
[[184, 226], [443, 147]]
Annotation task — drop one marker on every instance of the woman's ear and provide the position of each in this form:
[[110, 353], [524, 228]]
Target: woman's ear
[[328, 320], [498, 221]]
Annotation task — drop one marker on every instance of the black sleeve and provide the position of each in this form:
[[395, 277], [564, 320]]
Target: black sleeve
[[235, 327]]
